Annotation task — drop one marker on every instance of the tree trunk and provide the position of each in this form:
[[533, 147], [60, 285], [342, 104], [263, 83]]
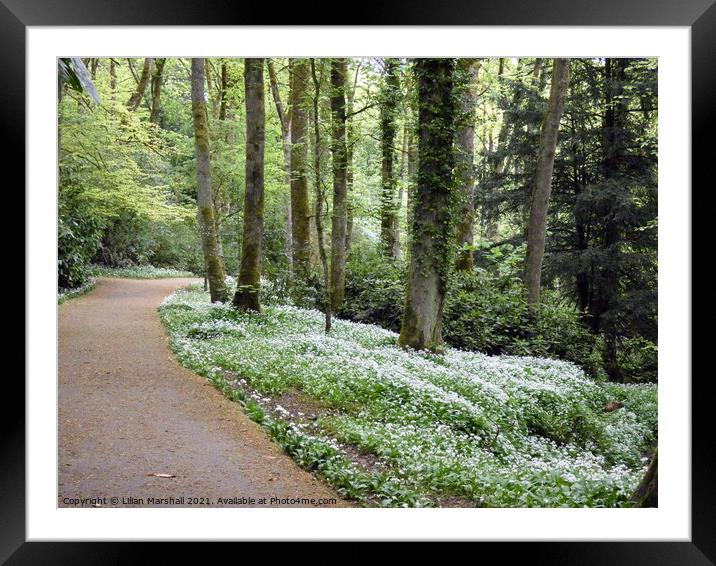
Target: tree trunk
[[300, 213], [247, 297], [432, 237], [537, 226], [205, 200], [339, 69], [286, 146], [465, 162], [350, 134], [412, 167], [319, 192], [389, 102], [403, 165], [136, 99], [224, 86], [157, 79], [112, 78], [211, 89], [647, 494], [606, 291]]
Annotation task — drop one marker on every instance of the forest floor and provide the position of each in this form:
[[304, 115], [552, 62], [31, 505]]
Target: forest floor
[[127, 409]]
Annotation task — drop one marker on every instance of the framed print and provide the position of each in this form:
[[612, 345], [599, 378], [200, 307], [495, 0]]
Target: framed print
[[338, 443]]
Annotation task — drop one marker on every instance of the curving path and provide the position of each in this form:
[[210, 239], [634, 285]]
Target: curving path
[[127, 409]]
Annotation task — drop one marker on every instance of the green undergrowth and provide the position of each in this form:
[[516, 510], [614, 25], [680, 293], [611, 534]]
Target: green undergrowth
[[392, 427]]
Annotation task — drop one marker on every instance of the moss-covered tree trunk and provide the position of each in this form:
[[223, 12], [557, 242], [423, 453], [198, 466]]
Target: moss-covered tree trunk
[[157, 79], [247, 297], [285, 121], [537, 225], [300, 211], [224, 85], [389, 104], [317, 149], [468, 70], [339, 68], [136, 99], [432, 241], [204, 198]]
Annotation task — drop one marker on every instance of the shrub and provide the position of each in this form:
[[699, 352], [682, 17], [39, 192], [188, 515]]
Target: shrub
[[78, 233], [374, 292]]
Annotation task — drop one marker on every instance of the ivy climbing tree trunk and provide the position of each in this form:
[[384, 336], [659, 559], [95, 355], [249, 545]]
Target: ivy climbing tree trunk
[[339, 68], [300, 212], [247, 297], [157, 79], [136, 99], [389, 103], [537, 226], [205, 201], [468, 70], [432, 235], [285, 122]]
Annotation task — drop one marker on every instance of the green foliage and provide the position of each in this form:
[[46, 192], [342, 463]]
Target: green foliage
[[78, 235], [486, 310], [374, 291]]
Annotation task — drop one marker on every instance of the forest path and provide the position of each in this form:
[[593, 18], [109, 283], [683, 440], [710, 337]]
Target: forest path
[[126, 409]]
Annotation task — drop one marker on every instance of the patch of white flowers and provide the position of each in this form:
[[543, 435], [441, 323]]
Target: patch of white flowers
[[501, 431], [139, 272]]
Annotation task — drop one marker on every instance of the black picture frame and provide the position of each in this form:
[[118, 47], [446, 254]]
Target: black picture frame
[[699, 15]]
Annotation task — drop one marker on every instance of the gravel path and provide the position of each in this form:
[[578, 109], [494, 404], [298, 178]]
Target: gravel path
[[128, 409]]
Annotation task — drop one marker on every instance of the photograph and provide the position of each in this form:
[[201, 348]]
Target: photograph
[[357, 282]]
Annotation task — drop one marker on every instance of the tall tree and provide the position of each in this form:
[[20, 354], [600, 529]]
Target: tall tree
[[389, 106], [285, 121], [468, 70], [156, 89], [432, 239], [300, 213], [317, 148], [247, 295], [350, 144], [205, 198], [605, 296], [339, 69], [537, 227], [136, 99], [112, 76], [224, 85]]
